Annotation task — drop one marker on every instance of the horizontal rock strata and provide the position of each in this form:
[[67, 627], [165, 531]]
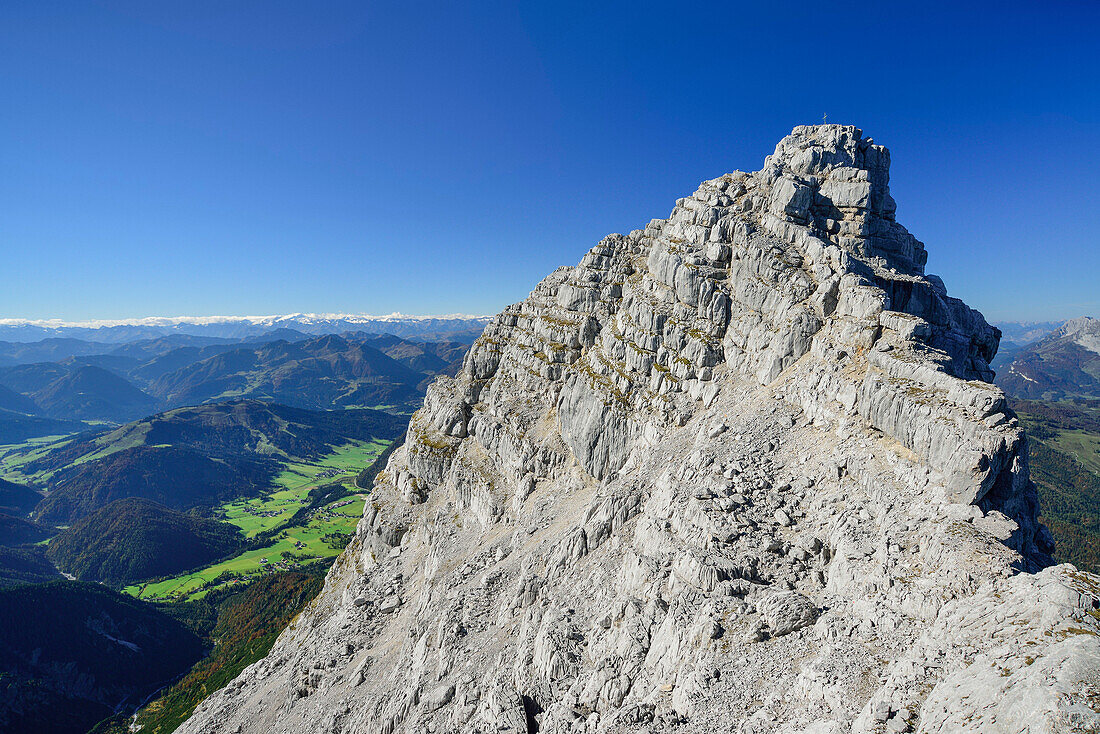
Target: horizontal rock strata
[[742, 470]]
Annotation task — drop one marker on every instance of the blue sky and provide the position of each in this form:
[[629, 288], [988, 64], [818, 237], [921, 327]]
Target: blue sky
[[266, 157]]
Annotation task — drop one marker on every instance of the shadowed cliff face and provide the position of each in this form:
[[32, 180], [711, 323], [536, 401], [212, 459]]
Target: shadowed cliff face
[[728, 470]]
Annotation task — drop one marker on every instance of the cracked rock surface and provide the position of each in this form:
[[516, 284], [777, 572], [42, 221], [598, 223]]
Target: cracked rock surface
[[742, 470]]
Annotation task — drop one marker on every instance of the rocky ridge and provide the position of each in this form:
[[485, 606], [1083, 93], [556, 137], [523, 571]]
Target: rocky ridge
[[1085, 332], [742, 470], [1064, 363]]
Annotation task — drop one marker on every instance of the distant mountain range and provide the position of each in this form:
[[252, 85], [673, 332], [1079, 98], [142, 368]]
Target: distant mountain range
[[455, 327], [123, 382], [1063, 363], [1025, 332]]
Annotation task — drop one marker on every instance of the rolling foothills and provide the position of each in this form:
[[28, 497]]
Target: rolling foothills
[[168, 503]]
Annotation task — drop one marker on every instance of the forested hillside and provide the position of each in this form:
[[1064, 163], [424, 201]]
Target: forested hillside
[[72, 653], [133, 539], [1065, 465], [245, 625], [193, 457]]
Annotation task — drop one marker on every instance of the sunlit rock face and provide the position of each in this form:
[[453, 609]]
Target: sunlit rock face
[[741, 470]]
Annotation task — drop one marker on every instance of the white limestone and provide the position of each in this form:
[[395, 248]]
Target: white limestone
[[739, 471]]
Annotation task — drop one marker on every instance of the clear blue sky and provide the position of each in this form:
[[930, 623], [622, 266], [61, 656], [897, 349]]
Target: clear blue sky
[[233, 157]]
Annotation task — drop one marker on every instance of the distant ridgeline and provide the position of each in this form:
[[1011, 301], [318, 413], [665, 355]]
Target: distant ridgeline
[[1062, 364], [455, 327], [47, 387]]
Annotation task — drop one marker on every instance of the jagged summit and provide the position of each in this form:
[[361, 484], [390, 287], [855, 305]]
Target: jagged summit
[[838, 182], [1085, 330], [740, 470]]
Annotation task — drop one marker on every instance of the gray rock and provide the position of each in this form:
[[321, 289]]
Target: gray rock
[[555, 560], [787, 612], [438, 697]]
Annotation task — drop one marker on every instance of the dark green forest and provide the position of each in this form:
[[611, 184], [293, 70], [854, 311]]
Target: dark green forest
[[1069, 491], [133, 539], [124, 649]]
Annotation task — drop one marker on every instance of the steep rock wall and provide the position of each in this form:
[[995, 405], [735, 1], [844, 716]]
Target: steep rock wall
[[740, 470]]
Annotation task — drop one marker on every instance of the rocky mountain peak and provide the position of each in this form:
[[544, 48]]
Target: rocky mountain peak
[[1081, 323], [1063, 363], [1084, 330], [837, 181], [741, 469]]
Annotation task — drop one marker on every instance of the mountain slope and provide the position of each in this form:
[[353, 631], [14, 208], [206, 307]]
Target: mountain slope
[[1061, 364], [319, 374], [228, 430], [28, 379], [116, 365], [78, 391], [1065, 463], [176, 477], [248, 621], [17, 531], [443, 357], [741, 470], [25, 566], [18, 427], [71, 653], [17, 499], [197, 456], [135, 539], [16, 403], [164, 364], [92, 393], [143, 350]]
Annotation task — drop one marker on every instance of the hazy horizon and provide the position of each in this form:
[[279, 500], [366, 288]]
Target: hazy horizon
[[275, 319]]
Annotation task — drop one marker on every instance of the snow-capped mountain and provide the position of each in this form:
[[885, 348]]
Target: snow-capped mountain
[[125, 330]]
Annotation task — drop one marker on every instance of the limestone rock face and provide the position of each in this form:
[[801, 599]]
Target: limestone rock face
[[741, 470]]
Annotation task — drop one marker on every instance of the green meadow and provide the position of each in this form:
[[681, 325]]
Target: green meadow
[[1082, 445], [13, 457], [293, 545]]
